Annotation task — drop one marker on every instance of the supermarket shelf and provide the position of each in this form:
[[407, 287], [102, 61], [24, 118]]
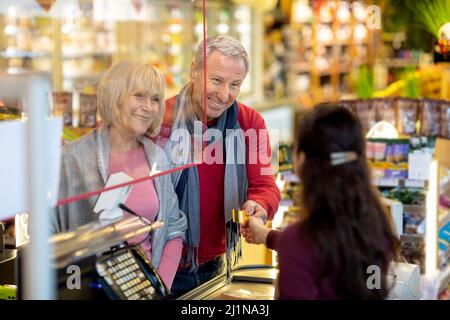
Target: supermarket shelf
[[393, 182]]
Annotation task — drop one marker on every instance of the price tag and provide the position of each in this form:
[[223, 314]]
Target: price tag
[[388, 182], [414, 183]]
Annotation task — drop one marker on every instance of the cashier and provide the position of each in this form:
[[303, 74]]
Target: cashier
[[326, 254]]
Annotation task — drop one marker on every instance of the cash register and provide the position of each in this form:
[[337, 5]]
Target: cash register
[[95, 261]]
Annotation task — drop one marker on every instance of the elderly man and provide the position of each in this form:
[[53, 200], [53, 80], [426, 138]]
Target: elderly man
[[231, 174]]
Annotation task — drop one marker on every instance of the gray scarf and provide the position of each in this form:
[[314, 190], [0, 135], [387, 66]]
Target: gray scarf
[[188, 188]]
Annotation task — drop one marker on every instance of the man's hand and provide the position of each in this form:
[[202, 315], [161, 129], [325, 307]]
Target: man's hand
[[254, 209]]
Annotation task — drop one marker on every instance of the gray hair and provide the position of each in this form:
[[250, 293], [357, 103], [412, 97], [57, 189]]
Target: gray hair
[[226, 45]]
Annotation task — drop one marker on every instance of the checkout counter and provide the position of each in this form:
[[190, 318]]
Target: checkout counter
[[252, 282]]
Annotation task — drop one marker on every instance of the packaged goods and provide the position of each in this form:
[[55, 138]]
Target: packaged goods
[[380, 151], [400, 150], [408, 114], [398, 171], [385, 110], [389, 152], [430, 115], [412, 223], [370, 150], [366, 114], [62, 106], [88, 110], [407, 196]]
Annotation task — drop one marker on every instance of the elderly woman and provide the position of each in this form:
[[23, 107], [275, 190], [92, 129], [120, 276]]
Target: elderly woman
[[131, 105]]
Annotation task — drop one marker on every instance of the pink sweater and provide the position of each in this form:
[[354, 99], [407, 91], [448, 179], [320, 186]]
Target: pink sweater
[[143, 200]]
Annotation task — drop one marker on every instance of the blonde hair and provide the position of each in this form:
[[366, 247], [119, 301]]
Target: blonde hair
[[122, 79]]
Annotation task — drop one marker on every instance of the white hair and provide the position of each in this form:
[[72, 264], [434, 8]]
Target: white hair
[[226, 45]]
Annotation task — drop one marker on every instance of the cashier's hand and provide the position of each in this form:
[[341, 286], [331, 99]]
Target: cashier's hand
[[256, 232]]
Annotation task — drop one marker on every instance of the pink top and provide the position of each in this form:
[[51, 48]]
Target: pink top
[[143, 200]]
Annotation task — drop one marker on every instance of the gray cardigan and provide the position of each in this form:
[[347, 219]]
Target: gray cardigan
[[84, 168]]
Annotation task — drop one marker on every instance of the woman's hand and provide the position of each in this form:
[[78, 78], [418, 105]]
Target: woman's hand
[[254, 231]]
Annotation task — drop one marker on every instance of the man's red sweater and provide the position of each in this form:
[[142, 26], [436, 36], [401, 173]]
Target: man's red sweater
[[261, 185]]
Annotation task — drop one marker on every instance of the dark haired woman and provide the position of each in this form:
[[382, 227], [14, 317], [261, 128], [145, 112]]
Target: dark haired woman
[[327, 253]]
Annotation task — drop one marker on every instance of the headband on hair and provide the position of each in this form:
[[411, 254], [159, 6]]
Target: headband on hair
[[338, 158]]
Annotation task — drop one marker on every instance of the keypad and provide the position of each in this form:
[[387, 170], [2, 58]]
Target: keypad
[[124, 271]]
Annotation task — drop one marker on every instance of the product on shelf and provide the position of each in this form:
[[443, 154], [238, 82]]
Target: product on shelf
[[406, 196], [408, 113], [88, 110], [366, 114], [413, 223], [388, 157], [430, 115], [285, 157], [445, 119], [62, 106], [385, 110]]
